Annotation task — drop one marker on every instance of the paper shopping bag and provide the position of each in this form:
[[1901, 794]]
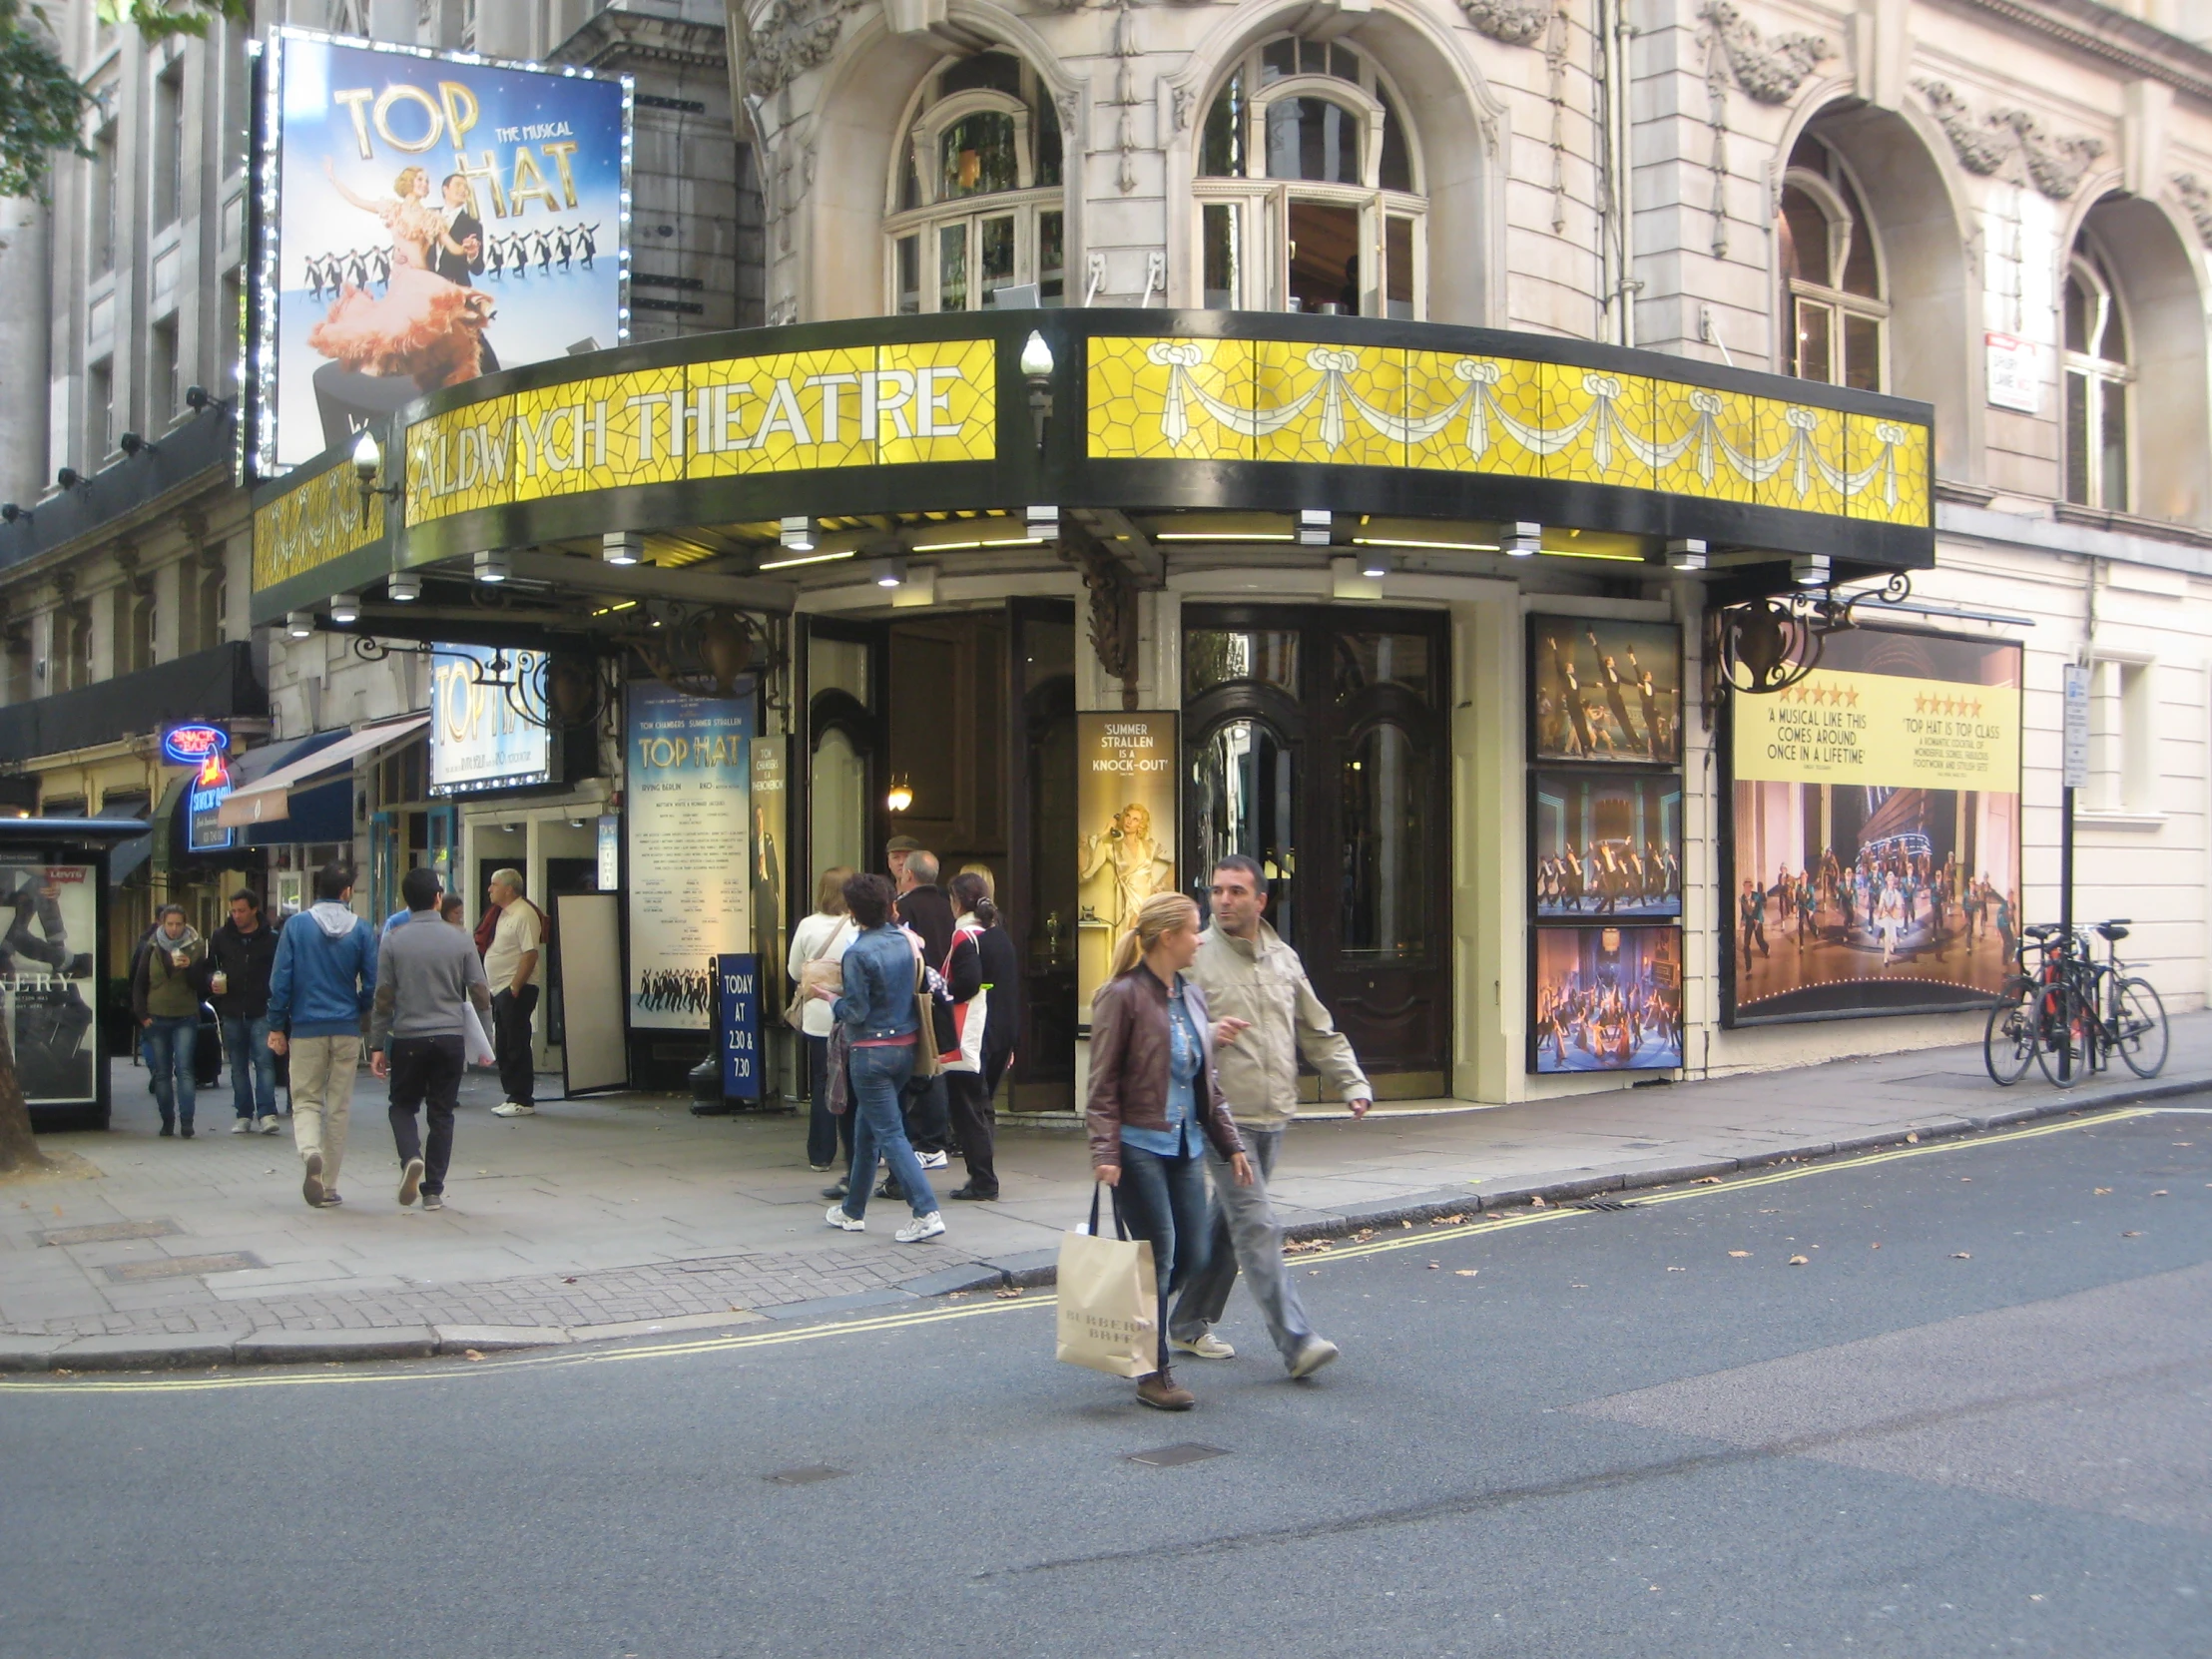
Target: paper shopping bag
[[476, 1048], [1109, 1309]]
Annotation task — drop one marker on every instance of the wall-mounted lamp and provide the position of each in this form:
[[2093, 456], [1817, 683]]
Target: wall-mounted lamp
[[1036, 368], [1687, 554], [368, 463], [132, 444], [901, 795], [493, 565], [888, 573], [345, 608], [69, 477], [299, 625], [798, 533], [199, 400], [1317, 527], [1809, 570], [405, 587], [10, 513], [622, 547], [1521, 540]]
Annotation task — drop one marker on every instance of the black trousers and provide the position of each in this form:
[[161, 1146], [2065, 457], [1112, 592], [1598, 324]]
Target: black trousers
[[827, 1131], [928, 1118], [968, 1098], [425, 1071], [511, 1041]]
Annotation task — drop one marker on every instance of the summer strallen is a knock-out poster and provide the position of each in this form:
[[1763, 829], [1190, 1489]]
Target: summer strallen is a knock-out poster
[[1125, 828]]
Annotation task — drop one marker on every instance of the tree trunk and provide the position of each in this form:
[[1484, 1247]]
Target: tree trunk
[[18, 1150]]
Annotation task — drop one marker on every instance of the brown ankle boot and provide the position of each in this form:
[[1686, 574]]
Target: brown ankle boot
[[1161, 1392]]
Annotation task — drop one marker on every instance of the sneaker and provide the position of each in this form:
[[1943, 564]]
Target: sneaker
[[269, 1125], [434, 1200], [310, 1187], [1162, 1392], [514, 1109], [331, 1201], [187, 1131], [835, 1216], [930, 1226], [242, 1126], [1313, 1353], [933, 1160], [822, 1169], [167, 1129], [1205, 1346], [410, 1182], [838, 1191]]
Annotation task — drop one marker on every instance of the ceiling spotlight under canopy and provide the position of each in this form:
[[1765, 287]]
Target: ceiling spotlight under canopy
[[493, 565]]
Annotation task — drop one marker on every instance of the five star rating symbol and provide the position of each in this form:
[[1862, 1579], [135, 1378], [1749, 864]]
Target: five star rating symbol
[[1925, 703], [1811, 691]]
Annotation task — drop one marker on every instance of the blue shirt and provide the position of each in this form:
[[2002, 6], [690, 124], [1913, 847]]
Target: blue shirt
[[1186, 1058], [396, 919]]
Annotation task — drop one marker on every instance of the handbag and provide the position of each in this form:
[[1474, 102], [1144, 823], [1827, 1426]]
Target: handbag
[[1108, 1318], [476, 1048], [926, 1062], [824, 969]]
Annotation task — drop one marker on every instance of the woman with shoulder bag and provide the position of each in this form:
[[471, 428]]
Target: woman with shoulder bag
[[879, 1009], [816, 942], [1153, 1094]]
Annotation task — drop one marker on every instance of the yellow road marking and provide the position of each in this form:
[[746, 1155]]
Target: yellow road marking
[[1403, 1238]]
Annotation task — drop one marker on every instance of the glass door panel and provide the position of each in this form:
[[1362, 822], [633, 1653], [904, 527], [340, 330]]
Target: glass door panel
[[1246, 801], [952, 267], [1385, 875], [996, 263]]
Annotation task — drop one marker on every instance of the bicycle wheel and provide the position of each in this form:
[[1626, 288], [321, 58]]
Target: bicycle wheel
[[2009, 1042], [2140, 1027], [2061, 1033]]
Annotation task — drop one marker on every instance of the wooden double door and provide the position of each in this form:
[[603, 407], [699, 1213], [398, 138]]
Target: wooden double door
[[1317, 742]]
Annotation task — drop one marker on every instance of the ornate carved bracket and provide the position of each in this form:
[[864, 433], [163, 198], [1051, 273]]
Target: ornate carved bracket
[[1503, 20], [1770, 71], [2056, 163], [1113, 615], [793, 36], [2198, 200]]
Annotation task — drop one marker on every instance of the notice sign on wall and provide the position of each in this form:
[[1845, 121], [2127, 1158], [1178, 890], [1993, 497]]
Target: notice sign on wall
[[738, 982], [1125, 820], [690, 856], [1873, 836]]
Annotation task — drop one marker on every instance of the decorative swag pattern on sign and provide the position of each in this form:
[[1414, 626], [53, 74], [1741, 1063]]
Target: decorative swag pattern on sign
[[855, 407], [1282, 400], [323, 519]]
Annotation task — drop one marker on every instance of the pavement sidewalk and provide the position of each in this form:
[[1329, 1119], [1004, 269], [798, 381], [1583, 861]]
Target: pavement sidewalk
[[626, 1216]]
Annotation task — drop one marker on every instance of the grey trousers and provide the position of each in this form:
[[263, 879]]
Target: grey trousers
[[1246, 1238]]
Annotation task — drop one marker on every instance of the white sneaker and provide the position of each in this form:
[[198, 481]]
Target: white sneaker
[[1206, 1346], [835, 1216], [930, 1226], [269, 1125], [410, 1182], [514, 1109], [932, 1160], [242, 1126]]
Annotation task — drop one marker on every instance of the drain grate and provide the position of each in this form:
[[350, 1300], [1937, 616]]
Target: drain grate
[[1601, 1204], [109, 1231], [181, 1266], [1169, 1456], [806, 1475]]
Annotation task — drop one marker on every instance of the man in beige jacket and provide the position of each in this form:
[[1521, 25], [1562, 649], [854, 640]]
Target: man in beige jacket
[[1266, 1015]]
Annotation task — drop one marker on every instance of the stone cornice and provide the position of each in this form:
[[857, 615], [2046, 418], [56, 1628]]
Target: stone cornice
[[617, 39], [2143, 50]]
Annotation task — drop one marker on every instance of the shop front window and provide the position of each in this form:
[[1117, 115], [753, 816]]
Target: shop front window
[[1308, 193], [978, 201]]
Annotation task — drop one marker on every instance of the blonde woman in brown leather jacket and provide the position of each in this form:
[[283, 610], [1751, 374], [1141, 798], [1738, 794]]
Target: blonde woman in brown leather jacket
[[1154, 1103]]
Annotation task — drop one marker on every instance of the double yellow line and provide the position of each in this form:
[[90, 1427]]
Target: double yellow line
[[1404, 1238]]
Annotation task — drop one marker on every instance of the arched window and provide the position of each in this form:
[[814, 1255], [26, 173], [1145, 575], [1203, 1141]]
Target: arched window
[[1308, 187], [1833, 304], [2099, 375], [977, 202]]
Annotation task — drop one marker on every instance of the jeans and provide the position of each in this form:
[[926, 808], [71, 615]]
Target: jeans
[[1245, 1236], [975, 1124], [252, 1067], [827, 1132], [1164, 1199], [510, 1042], [322, 1070], [878, 1076], [169, 1046], [425, 1070]]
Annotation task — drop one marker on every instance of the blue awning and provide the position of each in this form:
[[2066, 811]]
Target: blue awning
[[323, 812]]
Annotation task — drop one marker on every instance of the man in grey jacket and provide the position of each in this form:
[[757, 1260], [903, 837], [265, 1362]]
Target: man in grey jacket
[[425, 979], [1266, 1015]]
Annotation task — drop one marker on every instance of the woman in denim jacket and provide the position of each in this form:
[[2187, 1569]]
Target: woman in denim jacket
[[876, 1009]]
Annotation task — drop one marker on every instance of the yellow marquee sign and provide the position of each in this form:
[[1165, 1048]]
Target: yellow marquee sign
[[868, 405], [1360, 405], [306, 527], [1882, 730]]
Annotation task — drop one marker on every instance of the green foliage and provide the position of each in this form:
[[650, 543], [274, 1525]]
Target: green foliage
[[159, 19]]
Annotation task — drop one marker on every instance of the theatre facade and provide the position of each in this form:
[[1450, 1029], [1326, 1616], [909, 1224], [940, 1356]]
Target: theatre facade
[[1414, 615]]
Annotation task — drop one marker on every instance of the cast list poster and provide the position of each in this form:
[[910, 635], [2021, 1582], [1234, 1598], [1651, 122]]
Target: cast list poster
[[689, 887]]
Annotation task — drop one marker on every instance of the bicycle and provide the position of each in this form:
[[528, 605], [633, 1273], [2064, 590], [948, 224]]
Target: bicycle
[[2072, 1013]]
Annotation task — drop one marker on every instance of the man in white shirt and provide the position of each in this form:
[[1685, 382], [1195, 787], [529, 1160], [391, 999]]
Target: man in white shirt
[[511, 967]]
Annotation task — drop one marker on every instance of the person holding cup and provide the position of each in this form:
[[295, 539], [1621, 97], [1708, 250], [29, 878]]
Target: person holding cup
[[241, 953], [166, 987]]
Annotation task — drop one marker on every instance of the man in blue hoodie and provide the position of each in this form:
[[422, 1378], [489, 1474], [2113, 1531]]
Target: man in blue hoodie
[[323, 982]]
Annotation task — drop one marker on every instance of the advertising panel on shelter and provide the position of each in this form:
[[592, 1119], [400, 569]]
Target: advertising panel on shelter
[[1872, 847], [479, 739], [1607, 843], [689, 818], [1607, 999], [1125, 829], [426, 218], [1605, 689], [50, 913]]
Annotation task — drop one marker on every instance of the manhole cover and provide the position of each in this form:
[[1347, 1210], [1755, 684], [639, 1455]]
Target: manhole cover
[[1600, 1204], [1168, 1456], [805, 1476]]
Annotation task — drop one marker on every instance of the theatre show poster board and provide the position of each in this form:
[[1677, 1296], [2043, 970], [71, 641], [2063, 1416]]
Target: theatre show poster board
[[690, 862], [1607, 999], [1606, 844], [1604, 691], [1871, 836]]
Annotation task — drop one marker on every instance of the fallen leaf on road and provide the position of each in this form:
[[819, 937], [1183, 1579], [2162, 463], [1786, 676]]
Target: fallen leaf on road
[[1678, 1269], [2161, 1193], [1706, 1181], [2100, 1191], [1007, 1292], [1738, 1253], [1405, 1224], [470, 1353], [1446, 1221], [1965, 1178], [1536, 1201], [1913, 1140], [2134, 1235], [1434, 1266], [1365, 1233], [1799, 1260], [1466, 1273], [1573, 1286], [1874, 1247], [570, 1281], [1961, 1255]]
